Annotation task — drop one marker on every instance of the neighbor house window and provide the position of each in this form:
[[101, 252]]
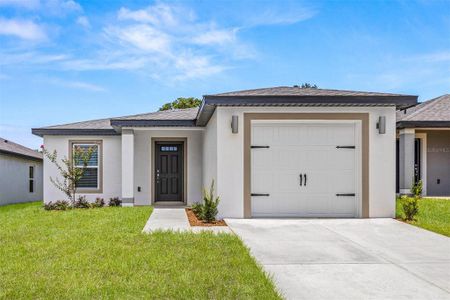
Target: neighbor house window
[[31, 179], [91, 177]]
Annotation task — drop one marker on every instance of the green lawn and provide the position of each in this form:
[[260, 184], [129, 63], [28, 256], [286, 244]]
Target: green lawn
[[101, 253], [434, 215]]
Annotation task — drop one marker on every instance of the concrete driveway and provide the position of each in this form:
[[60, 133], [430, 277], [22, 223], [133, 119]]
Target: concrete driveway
[[349, 259]]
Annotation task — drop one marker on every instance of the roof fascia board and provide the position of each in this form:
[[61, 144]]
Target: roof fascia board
[[423, 124], [152, 123], [58, 131]]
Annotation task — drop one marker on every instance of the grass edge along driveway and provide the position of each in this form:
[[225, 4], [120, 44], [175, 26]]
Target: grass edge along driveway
[[101, 253], [434, 215]]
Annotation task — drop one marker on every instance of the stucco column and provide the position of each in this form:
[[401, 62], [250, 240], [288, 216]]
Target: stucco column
[[406, 159], [127, 167]]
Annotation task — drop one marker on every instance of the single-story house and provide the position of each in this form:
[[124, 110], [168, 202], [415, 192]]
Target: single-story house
[[21, 173], [272, 152], [423, 147]]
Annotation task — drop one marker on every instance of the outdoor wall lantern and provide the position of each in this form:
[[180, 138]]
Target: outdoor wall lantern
[[381, 125], [234, 124]]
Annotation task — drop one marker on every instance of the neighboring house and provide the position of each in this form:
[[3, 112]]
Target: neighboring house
[[283, 151], [20, 173], [423, 147]]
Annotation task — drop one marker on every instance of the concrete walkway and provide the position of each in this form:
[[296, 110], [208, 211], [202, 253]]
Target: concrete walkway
[[349, 259], [175, 219]]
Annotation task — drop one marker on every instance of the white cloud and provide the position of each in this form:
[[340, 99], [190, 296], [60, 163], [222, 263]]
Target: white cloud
[[77, 85], [224, 36], [159, 14], [435, 57], [53, 7], [24, 29], [280, 15], [27, 4], [83, 21], [141, 36], [164, 40]]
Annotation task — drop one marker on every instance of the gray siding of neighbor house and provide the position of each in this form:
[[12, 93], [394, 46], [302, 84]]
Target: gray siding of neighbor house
[[14, 179], [438, 162]]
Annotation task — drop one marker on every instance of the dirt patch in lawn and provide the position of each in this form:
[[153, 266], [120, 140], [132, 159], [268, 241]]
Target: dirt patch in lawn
[[194, 221]]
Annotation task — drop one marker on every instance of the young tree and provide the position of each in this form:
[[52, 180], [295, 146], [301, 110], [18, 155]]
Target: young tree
[[181, 103], [70, 169]]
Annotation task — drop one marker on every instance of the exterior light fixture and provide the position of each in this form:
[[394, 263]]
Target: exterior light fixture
[[234, 124], [381, 125]]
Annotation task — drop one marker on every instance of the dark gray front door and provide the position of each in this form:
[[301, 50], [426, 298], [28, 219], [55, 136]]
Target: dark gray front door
[[169, 171]]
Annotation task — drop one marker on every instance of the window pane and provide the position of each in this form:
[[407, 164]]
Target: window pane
[[31, 186], [31, 172], [89, 179], [169, 148], [94, 157]]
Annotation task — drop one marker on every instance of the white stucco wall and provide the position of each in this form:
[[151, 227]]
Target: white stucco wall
[[112, 166], [14, 179], [143, 161], [210, 153], [230, 157]]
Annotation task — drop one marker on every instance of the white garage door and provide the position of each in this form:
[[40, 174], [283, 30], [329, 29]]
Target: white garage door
[[304, 169]]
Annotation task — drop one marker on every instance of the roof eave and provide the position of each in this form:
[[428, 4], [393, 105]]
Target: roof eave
[[73, 131], [116, 123], [423, 124]]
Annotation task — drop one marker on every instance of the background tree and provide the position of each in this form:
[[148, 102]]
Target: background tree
[[70, 169], [181, 102], [307, 85]]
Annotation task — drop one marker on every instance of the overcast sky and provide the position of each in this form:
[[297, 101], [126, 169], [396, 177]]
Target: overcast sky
[[65, 61]]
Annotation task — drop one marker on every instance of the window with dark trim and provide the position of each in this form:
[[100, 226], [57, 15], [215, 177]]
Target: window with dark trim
[[31, 179], [91, 176]]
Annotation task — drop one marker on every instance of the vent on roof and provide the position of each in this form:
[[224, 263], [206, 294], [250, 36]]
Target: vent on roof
[[6, 141]]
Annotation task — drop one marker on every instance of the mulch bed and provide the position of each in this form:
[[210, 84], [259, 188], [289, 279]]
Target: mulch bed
[[194, 221]]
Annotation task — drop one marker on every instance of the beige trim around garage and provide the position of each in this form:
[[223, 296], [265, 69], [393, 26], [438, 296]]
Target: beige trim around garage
[[154, 140], [363, 117], [99, 143]]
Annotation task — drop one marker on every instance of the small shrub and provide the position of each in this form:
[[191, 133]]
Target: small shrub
[[57, 205], [410, 207], [210, 204], [115, 201], [99, 202], [81, 202], [417, 188], [197, 208]]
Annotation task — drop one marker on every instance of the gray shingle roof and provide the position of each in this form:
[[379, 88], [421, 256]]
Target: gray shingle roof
[[175, 114], [91, 124], [298, 91], [183, 117], [9, 147], [437, 109]]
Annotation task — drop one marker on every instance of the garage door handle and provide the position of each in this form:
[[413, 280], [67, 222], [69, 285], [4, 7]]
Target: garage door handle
[[259, 195], [345, 195], [259, 147]]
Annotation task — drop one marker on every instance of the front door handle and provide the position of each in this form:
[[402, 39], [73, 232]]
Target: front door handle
[[305, 178]]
